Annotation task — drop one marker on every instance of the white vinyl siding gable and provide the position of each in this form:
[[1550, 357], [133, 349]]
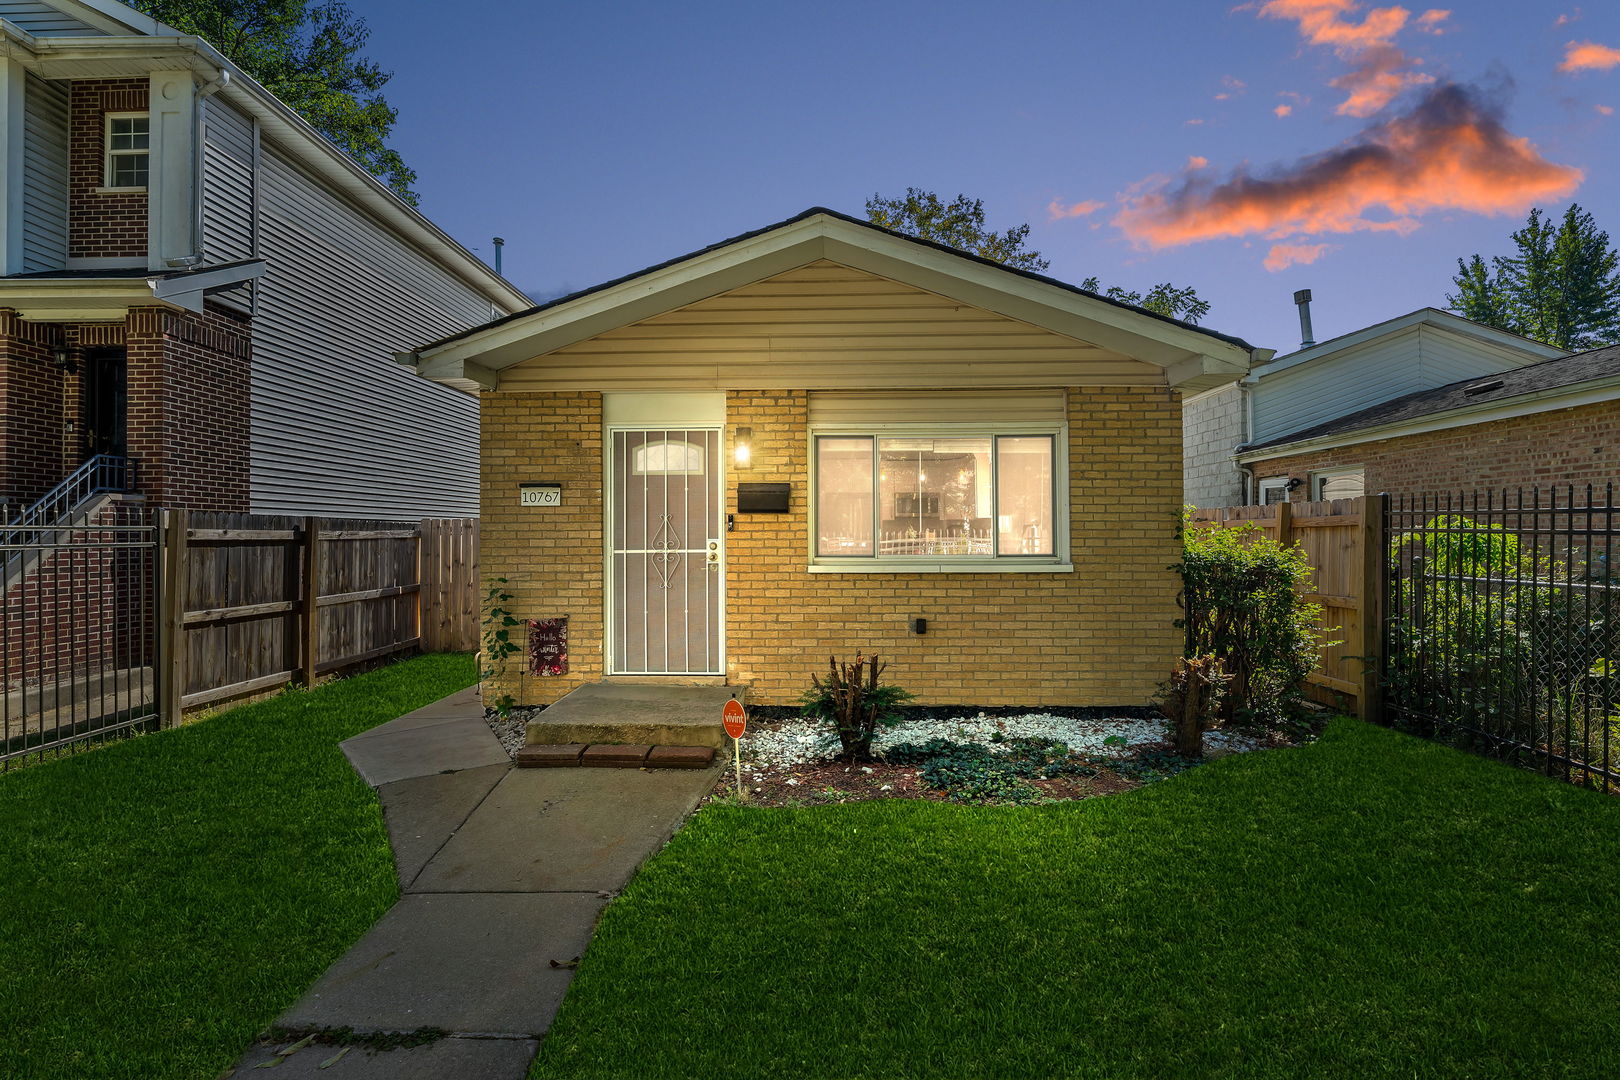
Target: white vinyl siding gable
[[338, 428], [43, 20], [1419, 358], [45, 180]]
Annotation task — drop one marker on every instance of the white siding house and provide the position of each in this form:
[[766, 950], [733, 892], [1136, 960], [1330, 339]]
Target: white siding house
[[247, 214], [1418, 351]]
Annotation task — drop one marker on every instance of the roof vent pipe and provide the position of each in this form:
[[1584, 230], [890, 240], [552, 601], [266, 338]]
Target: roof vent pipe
[[1303, 300], [499, 244]]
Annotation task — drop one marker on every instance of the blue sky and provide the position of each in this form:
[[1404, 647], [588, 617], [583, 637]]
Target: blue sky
[[602, 138]]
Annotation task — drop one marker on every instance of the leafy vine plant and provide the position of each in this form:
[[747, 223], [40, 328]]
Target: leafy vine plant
[[498, 644]]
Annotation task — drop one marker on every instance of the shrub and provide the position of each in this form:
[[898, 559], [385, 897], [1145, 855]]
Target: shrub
[[1242, 603], [1191, 700], [855, 703], [970, 772]]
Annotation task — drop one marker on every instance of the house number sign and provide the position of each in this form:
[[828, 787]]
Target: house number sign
[[540, 494]]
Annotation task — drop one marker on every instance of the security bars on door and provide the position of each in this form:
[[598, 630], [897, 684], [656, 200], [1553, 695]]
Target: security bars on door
[[666, 575]]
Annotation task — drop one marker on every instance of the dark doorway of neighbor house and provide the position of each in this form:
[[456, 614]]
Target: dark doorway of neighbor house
[[106, 393]]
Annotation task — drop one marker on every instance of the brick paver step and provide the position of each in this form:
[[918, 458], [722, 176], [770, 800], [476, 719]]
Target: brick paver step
[[614, 756], [550, 756], [680, 757]]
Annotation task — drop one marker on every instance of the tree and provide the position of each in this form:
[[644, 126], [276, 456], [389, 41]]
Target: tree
[[1165, 299], [1562, 287], [306, 52], [960, 224]]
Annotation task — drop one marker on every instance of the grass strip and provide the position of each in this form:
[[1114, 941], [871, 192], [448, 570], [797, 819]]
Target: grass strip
[[163, 898]]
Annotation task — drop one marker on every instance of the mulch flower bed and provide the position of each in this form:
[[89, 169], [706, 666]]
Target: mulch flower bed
[[1025, 758]]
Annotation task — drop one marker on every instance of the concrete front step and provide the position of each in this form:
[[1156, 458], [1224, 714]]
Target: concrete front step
[[641, 714], [614, 756]]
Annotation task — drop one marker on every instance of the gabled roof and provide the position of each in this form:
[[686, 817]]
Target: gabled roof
[[124, 41], [1427, 316], [1597, 371], [1193, 356]]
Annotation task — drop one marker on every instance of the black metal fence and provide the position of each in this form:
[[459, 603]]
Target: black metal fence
[[78, 619], [1503, 626]]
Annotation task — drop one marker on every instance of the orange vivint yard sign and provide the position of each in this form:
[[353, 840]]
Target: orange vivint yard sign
[[735, 721], [734, 718]]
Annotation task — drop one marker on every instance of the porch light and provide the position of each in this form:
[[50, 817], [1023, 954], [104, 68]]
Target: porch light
[[743, 447]]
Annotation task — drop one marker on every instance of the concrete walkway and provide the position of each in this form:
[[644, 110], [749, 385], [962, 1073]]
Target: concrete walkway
[[501, 872]]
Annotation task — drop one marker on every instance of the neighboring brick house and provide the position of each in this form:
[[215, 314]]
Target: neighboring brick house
[[1544, 426], [197, 283], [825, 437], [1323, 381]]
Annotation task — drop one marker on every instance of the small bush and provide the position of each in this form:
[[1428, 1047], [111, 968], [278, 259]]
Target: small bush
[[1242, 603], [855, 703]]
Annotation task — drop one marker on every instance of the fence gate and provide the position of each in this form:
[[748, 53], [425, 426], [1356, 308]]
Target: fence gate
[[78, 619], [1504, 625]]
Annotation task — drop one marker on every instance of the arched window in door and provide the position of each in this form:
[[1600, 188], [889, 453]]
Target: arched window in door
[[668, 456]]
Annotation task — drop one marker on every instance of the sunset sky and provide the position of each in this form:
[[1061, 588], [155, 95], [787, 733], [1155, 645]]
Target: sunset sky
[[1246, 150]]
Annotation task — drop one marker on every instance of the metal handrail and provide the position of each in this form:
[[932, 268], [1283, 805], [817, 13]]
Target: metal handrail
[[100, 475]]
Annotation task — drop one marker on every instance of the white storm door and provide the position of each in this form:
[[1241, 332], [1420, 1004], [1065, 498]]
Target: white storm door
[[665, 549]]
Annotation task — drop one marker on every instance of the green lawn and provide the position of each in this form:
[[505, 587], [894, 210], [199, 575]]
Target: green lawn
[[164, 897], [1368, 906]]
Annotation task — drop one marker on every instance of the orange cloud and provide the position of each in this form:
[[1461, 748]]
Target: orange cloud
[[1326, 22], [1379, 71], [1282, 256], [1430, 20], [1589, 56], [1565, 20], [1449, 152], [1056, 211], [1604, 110], [1379, 77], [1283, 110], [1197, 161]]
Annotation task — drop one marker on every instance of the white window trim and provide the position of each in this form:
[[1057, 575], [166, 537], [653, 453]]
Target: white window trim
[[108, 153], [1322, 475], [1062, 525], [1270, 483]]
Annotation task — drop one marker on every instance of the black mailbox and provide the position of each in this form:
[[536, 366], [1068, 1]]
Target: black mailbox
[[763, 498]]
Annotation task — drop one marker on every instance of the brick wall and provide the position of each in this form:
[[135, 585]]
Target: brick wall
[[31, 398], [1102, 635], [1211, 426], [1564, 446], [551, 558], [189, 401], [102, 225]]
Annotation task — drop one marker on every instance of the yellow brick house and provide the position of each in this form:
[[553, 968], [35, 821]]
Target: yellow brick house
[[823, 437]]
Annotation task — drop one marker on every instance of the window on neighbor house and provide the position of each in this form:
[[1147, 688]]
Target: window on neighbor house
[[1273, 489], [1338, 484], [129, 141], [941, 496]]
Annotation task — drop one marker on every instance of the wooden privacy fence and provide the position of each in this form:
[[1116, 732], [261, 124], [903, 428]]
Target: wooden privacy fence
[[251, 603], [1344, 541]]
